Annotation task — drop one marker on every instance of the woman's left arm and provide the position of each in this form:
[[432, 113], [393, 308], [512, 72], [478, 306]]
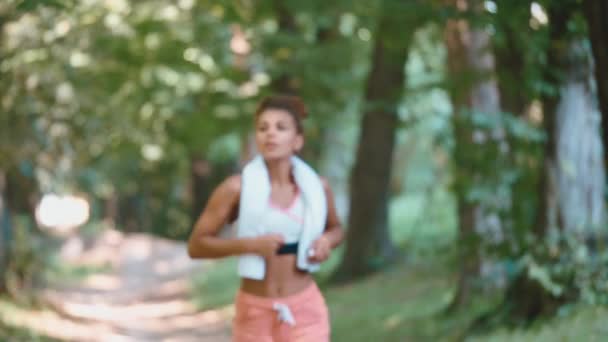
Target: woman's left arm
[[333, 234]]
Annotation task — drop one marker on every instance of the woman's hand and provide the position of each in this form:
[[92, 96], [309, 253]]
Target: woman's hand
[[267, 245], [319, 250]]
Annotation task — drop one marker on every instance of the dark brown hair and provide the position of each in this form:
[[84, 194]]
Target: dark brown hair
[[289, 103]]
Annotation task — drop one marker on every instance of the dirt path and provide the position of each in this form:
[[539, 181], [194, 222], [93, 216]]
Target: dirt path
[[143, 297]]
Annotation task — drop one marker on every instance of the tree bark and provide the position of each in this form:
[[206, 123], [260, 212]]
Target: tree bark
[[471, 67], [511, 57], [573, 180], [368, 242], [19, 196], [204, 177], [284, 82], [110, 210], [596, 13], [288, 82], [511, 51], [200, 185], [575, 163], [130, 212], [574, 170], [5, 233]]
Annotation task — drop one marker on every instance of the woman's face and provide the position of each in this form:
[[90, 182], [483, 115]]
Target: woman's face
[[276, 134]]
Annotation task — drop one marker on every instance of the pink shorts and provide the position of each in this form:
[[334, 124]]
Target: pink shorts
[[302, 317]]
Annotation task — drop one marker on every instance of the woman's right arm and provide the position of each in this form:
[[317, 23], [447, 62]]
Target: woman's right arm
[[204, 242]]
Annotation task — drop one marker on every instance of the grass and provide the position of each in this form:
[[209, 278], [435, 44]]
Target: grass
[[586, 323], [10, 333], [217, 285], [57, 271], [53, 271], [423, 219], [407, 304], [396, 305]]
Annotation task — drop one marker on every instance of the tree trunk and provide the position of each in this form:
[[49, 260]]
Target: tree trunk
[[575, 161], [574, 171], [511, 57], [471, 68], [19, 196], [368, 242], [511, 51], [204, 177], [5, 233], [110, 210], [200, 179], [130, 212], [284, 82], [596, 13], [288, 82], [573, 182], [573, 179]]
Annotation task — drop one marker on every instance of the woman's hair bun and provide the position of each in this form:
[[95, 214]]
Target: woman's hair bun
[[291, 103]]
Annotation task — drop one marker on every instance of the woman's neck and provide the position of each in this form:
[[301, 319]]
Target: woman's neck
[[279, 172]]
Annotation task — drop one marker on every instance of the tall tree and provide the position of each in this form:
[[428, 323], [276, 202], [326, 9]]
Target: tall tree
[[285, 82], [574, 172], [368, 242], [473, 89], [509, 46], [596, 13], [573, 179], [518, 46], [5, 230], [12, 126]]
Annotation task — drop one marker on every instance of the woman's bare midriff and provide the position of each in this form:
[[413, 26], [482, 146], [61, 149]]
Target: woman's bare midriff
[[282, 278]]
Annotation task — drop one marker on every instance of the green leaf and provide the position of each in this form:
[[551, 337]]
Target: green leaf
[[541, 275]]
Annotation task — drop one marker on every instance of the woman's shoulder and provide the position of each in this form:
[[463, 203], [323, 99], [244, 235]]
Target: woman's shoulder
[[232, 184], [325, 183]]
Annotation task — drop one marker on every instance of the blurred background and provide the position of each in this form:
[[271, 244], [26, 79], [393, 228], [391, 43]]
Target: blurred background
[[465, 141]]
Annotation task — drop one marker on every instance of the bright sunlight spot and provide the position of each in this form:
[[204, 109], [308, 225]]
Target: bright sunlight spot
[[62, 212], [490, 6], [538, 13]]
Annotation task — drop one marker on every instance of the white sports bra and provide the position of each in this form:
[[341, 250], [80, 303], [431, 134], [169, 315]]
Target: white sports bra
[[286, 221]]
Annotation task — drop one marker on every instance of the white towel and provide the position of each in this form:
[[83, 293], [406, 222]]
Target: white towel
[[254, 199]]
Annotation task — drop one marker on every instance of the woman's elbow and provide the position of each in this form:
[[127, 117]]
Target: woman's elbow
[[195, 248], [192, 252], [340, 235]]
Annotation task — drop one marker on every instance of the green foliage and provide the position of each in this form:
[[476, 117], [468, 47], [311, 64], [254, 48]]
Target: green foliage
[[217, 285], [498, 172], [503, 150], [412, 296], [117, 97], [10, 333], [582, 324], [27, 255], [570, 266], [521, 43]]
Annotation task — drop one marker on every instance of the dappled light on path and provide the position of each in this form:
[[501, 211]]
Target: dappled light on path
[[143, 296]]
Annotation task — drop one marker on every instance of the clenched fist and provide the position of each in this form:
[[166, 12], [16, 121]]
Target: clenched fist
[[267, 245], [319, 250]]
